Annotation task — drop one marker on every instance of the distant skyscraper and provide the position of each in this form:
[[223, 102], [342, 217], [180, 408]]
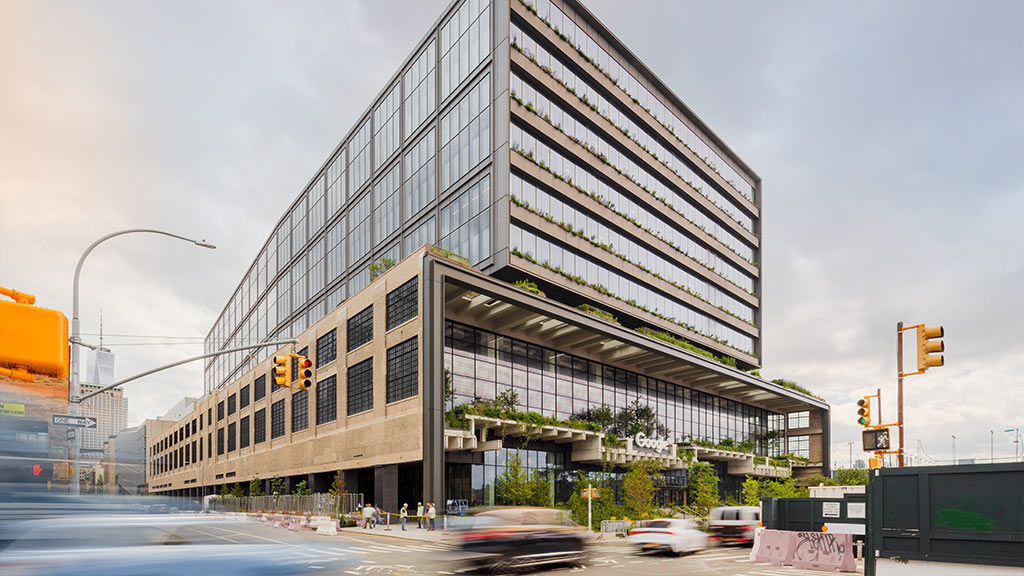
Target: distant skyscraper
[[109, 409]]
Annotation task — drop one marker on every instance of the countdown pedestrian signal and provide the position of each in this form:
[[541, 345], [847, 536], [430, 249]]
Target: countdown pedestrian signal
[[864, 411]]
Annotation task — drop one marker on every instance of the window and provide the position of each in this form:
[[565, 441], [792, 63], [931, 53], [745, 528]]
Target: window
[[466, 133], [423, 234], [359, 229], [799, 419], [800, 446], [466, 223], [259, 388], [403, 361], [402, 304], [465, 41], [385, 120], [300, 410], [220, 411], [243, 397], [419, 175], [259, 426], [243, 432], [360, 387], [295, 363], [209, 415], [220, 441], [419, 89], [336, 250], [277, 419], [232, 404], [200, 421], [232, 437], [336, 185], [385, 206], [200, 449], [327, 348], [360, 328], [327, 400], [209, 444], [359, 158]]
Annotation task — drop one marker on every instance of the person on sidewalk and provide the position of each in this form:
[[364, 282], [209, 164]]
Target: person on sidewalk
[[419, 515], [405, 515], [368, 512], [431, 513]]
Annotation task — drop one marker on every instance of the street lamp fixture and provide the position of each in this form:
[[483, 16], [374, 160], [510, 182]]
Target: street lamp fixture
[[75, 390]]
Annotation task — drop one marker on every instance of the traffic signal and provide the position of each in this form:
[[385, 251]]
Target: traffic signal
[[280, 370], [864, 411], [927, 343], [305, 373]]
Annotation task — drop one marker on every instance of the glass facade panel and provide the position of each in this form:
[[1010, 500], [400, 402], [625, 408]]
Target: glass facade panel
[[466, 133], [423, 234], [466, 223], [385, 121], [359, 158], [359, 226], [420, 97], [419, 175], [465, 42], [386, 209]]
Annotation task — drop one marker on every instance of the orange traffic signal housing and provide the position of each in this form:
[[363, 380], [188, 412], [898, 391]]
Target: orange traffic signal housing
[[33, 339]]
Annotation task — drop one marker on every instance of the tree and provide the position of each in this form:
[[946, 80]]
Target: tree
[[224, 491], [638, 486], [602, 508], [703, 487], [602, 416], [517, 488], [751, 491], [303, 489], [338, 485], [277, 486], [507, 400], [636, 418], [449, 388], [256, 486], [851, 477], [99, 483], [236, 490]]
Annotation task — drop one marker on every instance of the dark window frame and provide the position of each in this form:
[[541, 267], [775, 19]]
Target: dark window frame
[[259, 426], [232, 404], [232, 437], [327, 348], [243, 432], [300, 411], [360, 387], [220, 411], [403, 370], [403, 304], [327, 400], [359, 329], [243, 397], [277, 419], [259, 390]]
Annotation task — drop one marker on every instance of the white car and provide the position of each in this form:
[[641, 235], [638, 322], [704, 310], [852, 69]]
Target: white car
[[671, 534]]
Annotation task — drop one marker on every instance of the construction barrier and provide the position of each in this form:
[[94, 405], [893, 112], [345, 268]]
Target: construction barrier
[[327, 527], [776, 547], [824, 551], [757, 542]]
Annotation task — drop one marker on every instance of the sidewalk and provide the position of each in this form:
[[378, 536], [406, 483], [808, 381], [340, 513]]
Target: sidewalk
[[411, 532]]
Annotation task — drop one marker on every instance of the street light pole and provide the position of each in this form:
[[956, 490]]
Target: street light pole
[[1016, 442], [75, 391], [992, 446], [954, 448]]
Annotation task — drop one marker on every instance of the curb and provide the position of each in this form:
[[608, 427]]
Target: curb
[[392, 536]]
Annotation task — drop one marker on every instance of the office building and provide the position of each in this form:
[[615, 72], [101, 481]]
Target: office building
[[612, 239]]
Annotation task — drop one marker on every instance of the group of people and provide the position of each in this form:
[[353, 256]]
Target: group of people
[[425, 515]]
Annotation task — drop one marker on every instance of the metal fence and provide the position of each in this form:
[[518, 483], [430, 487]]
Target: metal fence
[[616, 526], [311, 505]]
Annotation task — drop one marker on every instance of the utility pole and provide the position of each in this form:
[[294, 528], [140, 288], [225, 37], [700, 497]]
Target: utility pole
[[954, 448], [851, 455], [899, 389], [992, 446]]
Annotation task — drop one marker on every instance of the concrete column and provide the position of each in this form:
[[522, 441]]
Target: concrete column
[[432, 311], [385, 479]]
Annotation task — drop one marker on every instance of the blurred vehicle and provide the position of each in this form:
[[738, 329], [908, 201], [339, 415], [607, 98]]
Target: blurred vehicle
[[734, 524], [668, 534], [510, 538], [141, 544]]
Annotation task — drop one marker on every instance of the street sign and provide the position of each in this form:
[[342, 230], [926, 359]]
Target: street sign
[[71, 433], [76, 421], [877, 439]]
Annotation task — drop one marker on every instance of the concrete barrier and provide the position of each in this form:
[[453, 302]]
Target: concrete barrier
[[757, 542], [294, 526], [824, 551], [776, 547], [327, 527]]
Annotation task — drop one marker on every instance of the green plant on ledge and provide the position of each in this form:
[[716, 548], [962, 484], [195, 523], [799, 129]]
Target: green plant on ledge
[[666, 337], [503, 408], [794, 386], [598, 312], [377, 269], [527, 285], [448, 254]]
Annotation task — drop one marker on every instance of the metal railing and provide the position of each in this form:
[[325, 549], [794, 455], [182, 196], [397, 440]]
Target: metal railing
[[616, 526], [309, 505]]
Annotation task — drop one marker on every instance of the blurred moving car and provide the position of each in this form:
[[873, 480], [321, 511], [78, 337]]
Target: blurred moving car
[[734, 524], [668, 534], [503, 539]]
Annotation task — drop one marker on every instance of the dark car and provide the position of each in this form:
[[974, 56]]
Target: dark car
[[733, 524], [510, 538]]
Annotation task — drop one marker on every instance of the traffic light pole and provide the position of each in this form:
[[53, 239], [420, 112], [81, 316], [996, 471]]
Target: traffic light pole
[[899, 388]]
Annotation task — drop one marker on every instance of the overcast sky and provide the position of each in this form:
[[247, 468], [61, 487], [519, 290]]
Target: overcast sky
[[889, 137]]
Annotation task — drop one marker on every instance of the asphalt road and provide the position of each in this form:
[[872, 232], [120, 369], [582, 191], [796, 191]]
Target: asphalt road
[[383, 555]]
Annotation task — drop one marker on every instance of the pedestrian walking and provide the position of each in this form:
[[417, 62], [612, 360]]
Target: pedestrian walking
[[405, 515], [419, 515], [431, 514], [368, 513]]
